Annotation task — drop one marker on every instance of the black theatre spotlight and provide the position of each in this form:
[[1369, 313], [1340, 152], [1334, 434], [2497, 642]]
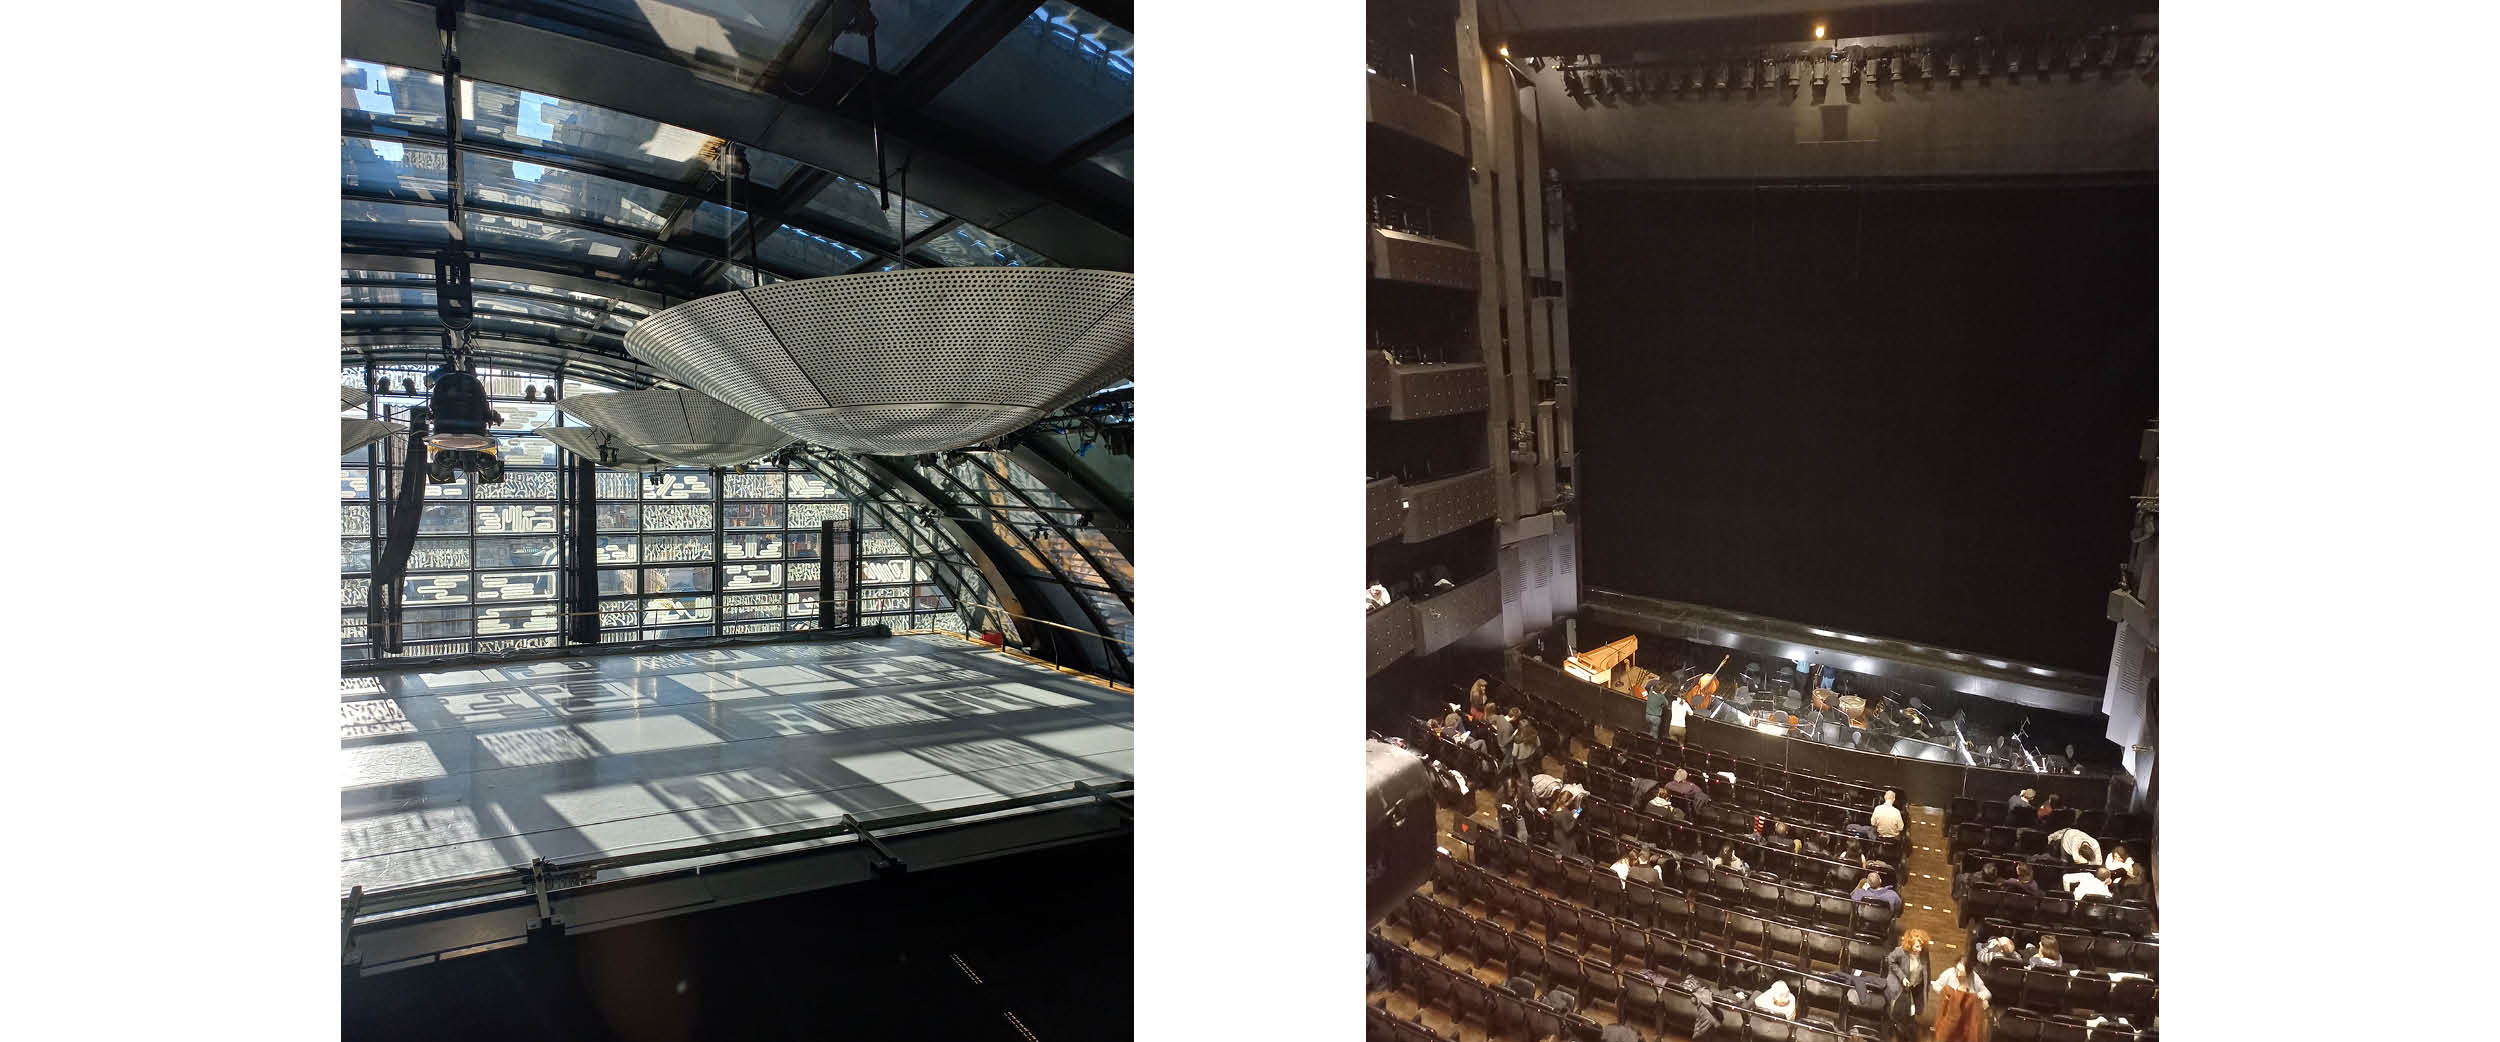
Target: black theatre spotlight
[[460, 413]]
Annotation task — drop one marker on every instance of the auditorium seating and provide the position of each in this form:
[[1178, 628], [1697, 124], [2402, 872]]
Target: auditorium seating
[[1830, 931], [2056, 912], [2106, 952], [1557, 943]]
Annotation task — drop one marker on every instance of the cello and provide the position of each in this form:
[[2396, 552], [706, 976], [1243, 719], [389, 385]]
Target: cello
[[1704, 686]]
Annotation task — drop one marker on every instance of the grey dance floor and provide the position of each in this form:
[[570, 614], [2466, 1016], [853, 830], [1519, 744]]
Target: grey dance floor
[[463, 771]]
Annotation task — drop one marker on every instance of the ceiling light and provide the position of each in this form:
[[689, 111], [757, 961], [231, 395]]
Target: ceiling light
[[1505, 50], [1818, 32], [899, 363]]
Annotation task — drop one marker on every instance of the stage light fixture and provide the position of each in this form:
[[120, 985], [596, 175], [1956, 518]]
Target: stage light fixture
[[1505, 49], [529, 393], [1818, 32], [460, 413]]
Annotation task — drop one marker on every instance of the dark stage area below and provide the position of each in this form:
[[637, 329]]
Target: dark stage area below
[[1905, 410], [1047, 933]]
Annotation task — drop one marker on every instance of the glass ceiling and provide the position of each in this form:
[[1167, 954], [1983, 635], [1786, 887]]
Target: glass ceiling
[[590, 219], [591, 193]]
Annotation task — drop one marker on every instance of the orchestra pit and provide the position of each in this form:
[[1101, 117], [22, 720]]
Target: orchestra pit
[[1761, 630], [735, 492]]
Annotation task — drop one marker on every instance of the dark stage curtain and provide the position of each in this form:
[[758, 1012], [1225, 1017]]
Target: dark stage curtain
[[1904, 410]]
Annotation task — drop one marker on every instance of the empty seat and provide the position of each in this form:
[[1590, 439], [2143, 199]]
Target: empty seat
[[1644, 1004], [1960, 809]]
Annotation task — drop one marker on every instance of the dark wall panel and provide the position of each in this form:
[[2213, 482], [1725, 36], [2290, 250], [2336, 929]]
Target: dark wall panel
[[1904, 410]]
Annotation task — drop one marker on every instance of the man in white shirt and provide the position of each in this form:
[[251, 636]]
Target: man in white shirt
[[2094, 883], [1887, 818], [2079, 847], [1676, 712]]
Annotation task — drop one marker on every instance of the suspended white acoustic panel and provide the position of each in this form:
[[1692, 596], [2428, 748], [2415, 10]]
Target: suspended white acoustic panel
[[353, 397], [900, 362], [682, 427], [356, 434], [587, 442]]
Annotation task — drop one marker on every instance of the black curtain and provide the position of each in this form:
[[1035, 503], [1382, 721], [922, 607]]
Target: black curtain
[[1904, 410]]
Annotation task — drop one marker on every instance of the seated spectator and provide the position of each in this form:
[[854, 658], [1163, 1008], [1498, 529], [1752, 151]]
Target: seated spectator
[[1376, 597], [2078, 847], [2125, 867], [2048, 957], [2021, 801], [1887, 817], [1777, 1000], [2024, 882], [1645, 868], [1663, 807], [1986, 876], [1542, 787], [2093, 884], [1873, 890], [1727, 859], [1682, 785], [1777, 837], [1857, 854], [2055, 803], [1997, 948]]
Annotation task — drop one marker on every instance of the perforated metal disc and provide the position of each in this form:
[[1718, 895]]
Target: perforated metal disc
[[900, 362], [585, 442], [353, 398], [356, 434], [681, 427]]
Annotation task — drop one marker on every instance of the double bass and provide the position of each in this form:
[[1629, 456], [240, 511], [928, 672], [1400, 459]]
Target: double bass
[[1705, 686]]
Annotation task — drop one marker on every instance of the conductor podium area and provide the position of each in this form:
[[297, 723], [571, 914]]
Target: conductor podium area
[[485, 804]]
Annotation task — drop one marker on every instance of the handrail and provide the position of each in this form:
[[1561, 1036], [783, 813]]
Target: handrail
[[520, 880]]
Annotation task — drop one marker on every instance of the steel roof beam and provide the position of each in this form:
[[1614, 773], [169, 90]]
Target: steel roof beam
[[994, 196]]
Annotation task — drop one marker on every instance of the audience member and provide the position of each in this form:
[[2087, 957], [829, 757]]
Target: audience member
[[2093, 884], [1777, 837], [1682, 785], [1727, 859], [1905, 983], [1887, 818], [1542, 787], [2124, 865], [1873, 890], [1997, 948], [2054, 804], [1857, 852], [1376, 597], [1961, 1001], [1986, 876], [1777, 1000], [2024, 882], [2048, 957], [2079, 847], [1676, 712], [2021, 801], [1476, 691]]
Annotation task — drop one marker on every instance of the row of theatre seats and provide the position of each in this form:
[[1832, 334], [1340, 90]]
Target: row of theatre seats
[[1733, 808], [1646, 917], [1774, 880], [2059, 913], [1634, 974], [2101, 953], [1991, 813], [2016, 843], [1508, 1018], [1855, 793], [1766, 798]]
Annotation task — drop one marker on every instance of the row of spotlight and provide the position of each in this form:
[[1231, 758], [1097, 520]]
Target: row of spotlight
[[2099, 54]]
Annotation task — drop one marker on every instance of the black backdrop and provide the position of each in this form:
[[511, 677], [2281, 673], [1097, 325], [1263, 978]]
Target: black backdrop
[[1904, 410]]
